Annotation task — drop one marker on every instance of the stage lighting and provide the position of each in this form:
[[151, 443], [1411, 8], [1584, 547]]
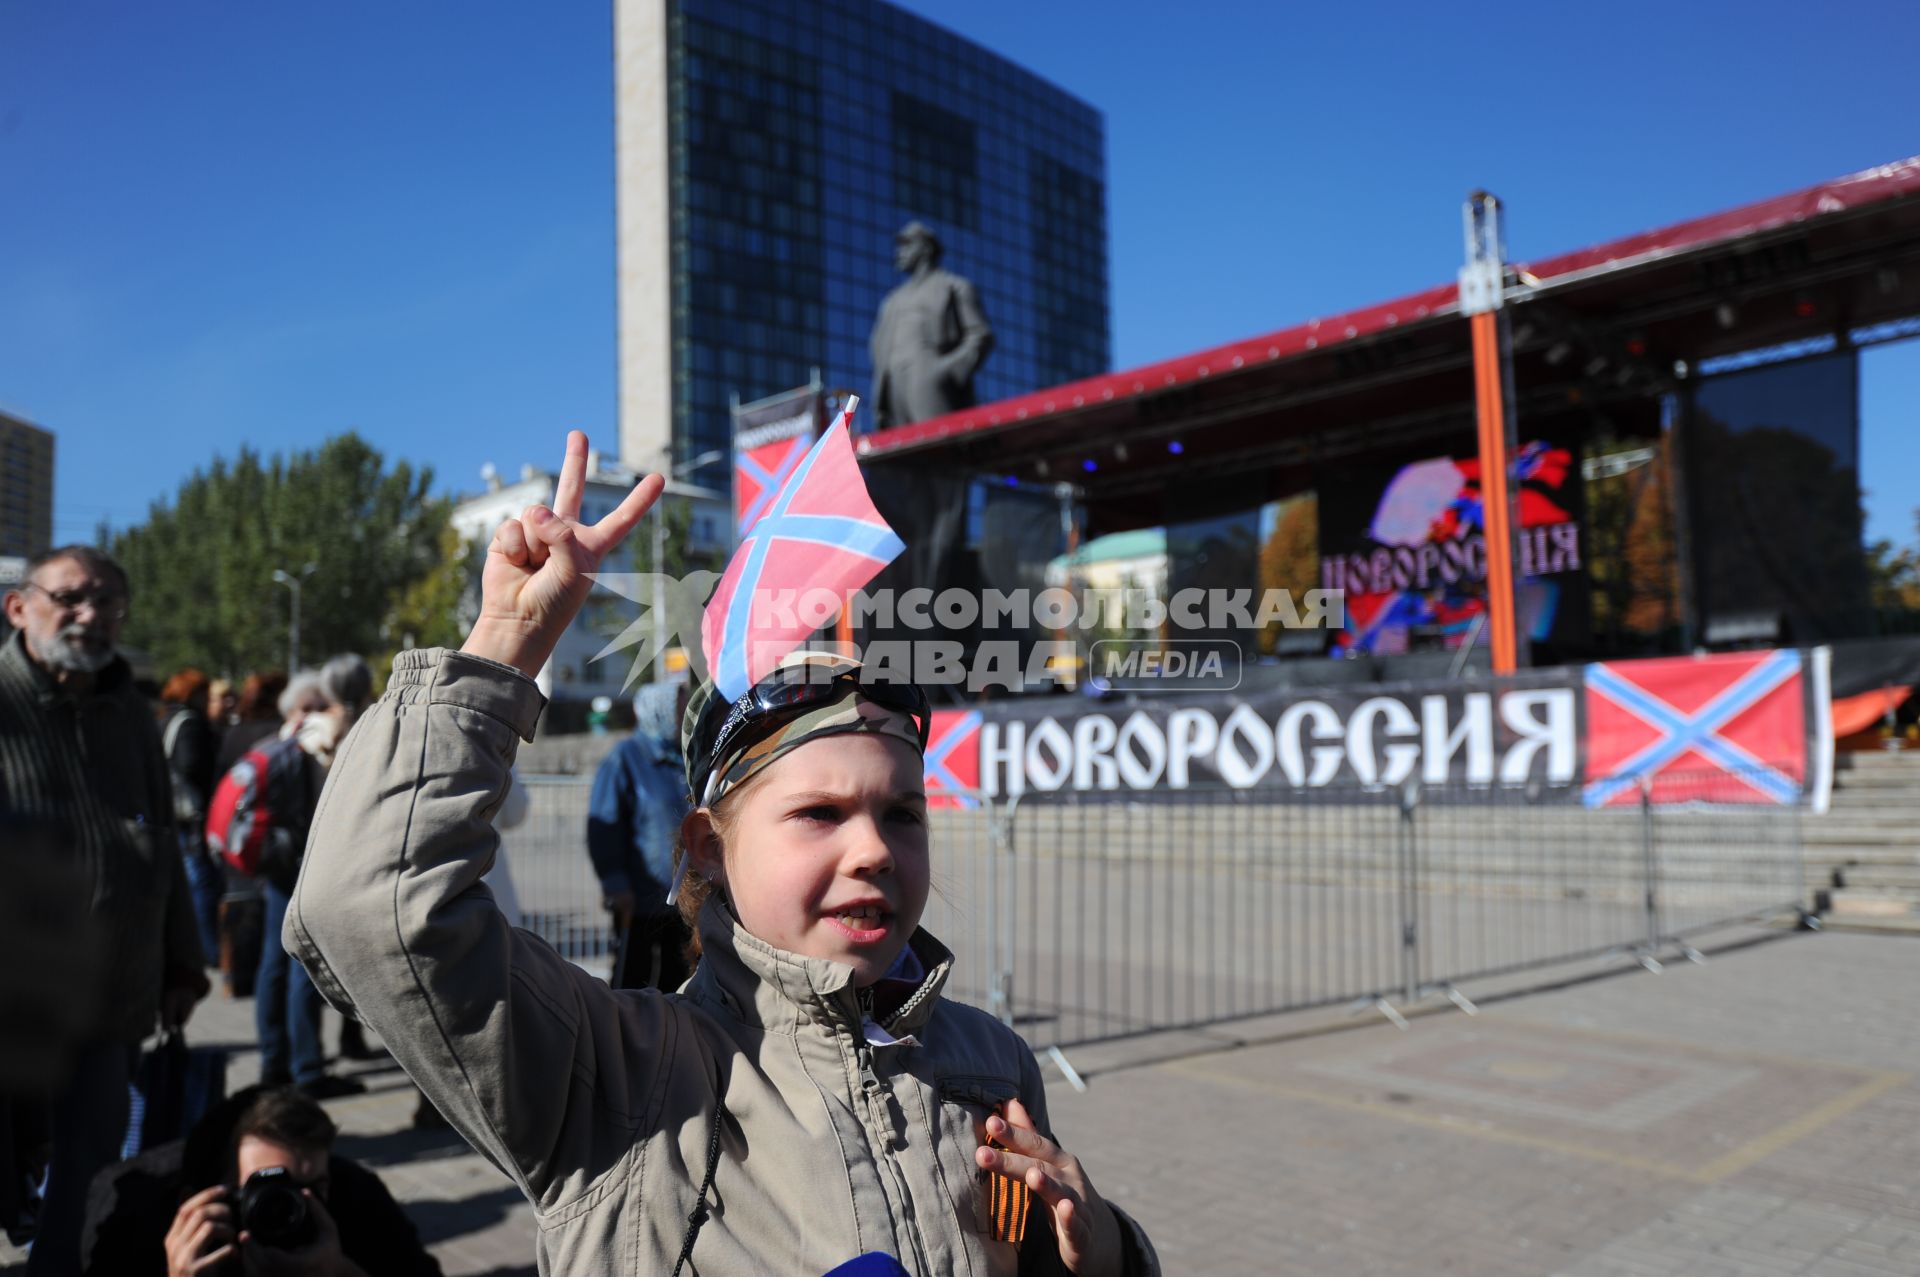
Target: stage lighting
[[1089, 465], [1558, 352], [1119, 452], [1805, 308], [1175, 447], [1595, 366], [1725, 315], [1636, 345], [1040, 468]]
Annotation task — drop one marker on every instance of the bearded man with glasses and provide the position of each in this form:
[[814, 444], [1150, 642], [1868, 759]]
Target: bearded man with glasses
[[79, 752]]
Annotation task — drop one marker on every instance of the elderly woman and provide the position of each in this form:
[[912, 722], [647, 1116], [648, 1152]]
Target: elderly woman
[[316, 709]]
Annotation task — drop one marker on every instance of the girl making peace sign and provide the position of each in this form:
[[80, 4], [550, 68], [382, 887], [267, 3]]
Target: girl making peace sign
[[808, 1097]]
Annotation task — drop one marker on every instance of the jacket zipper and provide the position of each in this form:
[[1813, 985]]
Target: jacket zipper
[[880, 1117]]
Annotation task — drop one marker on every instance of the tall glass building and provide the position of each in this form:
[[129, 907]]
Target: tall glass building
[[768, 150]]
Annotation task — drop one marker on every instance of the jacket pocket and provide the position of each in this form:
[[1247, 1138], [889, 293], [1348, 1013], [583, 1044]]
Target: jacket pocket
[[985, 1203]]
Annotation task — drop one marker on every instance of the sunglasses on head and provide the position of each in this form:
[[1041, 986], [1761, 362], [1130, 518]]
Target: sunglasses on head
[[787, 693]]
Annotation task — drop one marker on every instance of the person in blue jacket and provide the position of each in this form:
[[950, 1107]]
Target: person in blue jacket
[[639, 798]]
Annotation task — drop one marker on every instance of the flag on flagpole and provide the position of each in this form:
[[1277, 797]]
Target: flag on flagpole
[[820, 533]]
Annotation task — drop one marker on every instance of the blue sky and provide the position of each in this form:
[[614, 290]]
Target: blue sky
[[230, 223]]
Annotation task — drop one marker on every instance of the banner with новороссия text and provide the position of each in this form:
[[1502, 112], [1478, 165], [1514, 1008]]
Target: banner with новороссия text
[[1720, 731]]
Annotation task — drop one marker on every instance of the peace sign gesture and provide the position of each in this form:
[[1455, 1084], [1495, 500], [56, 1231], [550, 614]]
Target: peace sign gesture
[[539, 565]]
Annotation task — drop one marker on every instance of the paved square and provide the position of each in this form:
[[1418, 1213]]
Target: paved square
[[1755, 1115]]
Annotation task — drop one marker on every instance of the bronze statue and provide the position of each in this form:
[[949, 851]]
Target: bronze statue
[[930, 337]]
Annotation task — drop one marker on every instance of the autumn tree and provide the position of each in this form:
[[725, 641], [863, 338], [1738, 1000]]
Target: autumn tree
[[1290, 559]]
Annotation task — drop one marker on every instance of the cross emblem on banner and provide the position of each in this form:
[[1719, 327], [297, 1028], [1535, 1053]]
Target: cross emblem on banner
[[1679, 733], [943, 769], [769, 481]]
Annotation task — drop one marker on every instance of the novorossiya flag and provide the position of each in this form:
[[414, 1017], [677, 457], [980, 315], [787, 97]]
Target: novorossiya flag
[[821, 532], [1727, 727]]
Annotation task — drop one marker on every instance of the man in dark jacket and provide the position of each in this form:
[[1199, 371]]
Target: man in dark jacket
[[78, 746], [145, 1216]]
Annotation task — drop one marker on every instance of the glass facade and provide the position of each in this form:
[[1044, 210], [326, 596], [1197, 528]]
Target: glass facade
[[803, 138]]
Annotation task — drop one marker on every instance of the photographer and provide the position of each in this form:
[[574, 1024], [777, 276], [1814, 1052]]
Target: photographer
[[255, 1189]]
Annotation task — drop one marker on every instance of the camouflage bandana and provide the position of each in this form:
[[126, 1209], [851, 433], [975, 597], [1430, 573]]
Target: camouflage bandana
[[848, 713]]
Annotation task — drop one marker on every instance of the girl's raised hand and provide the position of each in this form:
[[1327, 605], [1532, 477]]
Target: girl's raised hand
[[537, 572], [1083, 1224]]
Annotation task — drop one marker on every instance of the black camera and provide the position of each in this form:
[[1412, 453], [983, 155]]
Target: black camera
[[274, 1211]]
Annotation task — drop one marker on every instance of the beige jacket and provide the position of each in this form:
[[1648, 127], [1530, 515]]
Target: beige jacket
[[600, 1104]]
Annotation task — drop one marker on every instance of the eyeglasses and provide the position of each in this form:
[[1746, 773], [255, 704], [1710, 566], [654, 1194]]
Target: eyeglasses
[[109, 605], [787, 693]]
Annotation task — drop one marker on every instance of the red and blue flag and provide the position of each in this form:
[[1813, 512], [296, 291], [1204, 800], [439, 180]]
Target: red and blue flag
[[820, 532], [1728, 727], [952, 764]]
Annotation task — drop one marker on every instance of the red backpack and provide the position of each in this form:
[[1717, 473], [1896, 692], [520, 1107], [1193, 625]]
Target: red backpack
[[266, 789]]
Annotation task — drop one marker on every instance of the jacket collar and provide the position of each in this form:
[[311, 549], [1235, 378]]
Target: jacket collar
[[780, 991], [24, 668]]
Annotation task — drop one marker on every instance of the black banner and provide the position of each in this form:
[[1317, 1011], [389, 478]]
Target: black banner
[[1521, 731]]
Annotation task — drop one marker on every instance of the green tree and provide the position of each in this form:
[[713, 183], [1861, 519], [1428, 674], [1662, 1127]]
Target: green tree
[[202, 564], [439, 608], [1895, 577]]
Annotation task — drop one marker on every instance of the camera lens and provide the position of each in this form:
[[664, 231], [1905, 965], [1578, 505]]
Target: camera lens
[[273, 1210]]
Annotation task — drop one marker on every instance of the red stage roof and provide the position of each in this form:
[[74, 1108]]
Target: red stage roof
[[1884, 185]]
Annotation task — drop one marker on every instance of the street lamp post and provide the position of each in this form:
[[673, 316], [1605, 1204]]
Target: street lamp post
[[660, 555], [293, 628]]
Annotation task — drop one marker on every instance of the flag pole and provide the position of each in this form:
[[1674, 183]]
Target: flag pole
[[843, 623]]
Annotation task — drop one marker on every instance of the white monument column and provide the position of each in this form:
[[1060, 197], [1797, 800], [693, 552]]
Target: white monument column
[[643, 229]]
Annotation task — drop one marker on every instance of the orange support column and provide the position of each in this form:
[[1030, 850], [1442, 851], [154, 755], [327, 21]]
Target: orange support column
[[1482, 295], [1495, 500]]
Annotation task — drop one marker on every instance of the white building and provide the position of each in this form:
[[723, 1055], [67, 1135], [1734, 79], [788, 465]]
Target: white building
[[1135, 560], [572, 673]]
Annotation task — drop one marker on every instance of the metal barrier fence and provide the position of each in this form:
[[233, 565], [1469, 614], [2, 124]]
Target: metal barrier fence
[[1081, 917], [553, 880], [1174, 910]]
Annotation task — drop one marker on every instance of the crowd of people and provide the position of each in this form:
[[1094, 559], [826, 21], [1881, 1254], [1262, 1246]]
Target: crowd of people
[[157, 796], [266, 742], [274, 768]]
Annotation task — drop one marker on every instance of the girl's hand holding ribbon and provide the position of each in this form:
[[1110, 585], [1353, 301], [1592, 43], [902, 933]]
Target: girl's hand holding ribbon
[[1083, 1224]]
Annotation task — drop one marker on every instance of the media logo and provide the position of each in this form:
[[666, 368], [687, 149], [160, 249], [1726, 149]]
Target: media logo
[[1175, 665]]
